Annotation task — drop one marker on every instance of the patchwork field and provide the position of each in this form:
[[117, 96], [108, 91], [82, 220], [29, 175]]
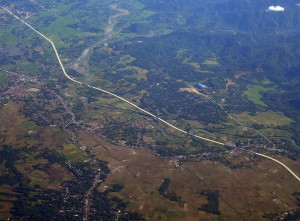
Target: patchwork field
[[13, 125], [54, 160], [74, 153], [249, 193], [22, 147]]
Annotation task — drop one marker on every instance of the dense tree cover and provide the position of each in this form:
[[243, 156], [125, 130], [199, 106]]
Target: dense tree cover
[[246, 15], [213, 201], [38, 203], [170, 196], [183, 105], [222, 37], [236, 52], [164, 186], [8, 155]]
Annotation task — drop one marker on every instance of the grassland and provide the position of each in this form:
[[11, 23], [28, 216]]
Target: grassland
[[273, 119], [7, 38], [245, 194], [276, 133], [254, 93], [139, 73], [23, 67], [6, 201], [268, 119], [184, 55], [3, 78], [211, 61], [73, 153], [27, 67], [19, 132], [14, 126]]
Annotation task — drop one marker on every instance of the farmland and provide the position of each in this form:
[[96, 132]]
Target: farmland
[[142, 174], [253, 93], [72, 152]]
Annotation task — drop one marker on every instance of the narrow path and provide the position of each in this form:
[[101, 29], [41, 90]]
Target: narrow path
[[237, 121], [132, 104]]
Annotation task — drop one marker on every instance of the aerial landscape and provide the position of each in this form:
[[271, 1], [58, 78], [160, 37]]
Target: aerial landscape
[[150, 110]]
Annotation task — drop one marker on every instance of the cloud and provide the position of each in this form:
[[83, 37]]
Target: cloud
[[276, 8], [298, 4]]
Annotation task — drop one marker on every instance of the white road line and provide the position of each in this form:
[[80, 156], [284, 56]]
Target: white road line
[[277, 161], [123, 99], [104, 91]]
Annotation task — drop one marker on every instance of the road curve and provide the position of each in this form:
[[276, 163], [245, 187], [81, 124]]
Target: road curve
[[132, 104], [275, 160], [104, 91]]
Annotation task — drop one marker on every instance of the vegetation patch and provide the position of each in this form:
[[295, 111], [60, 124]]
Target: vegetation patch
[[73, 153], [211, 61], [3, 78], [213, 201], [144, 178], [7, 38], [270, 119], [254, 93]]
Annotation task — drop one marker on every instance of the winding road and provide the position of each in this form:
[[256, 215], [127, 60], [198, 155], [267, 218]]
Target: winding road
[[132, 104]]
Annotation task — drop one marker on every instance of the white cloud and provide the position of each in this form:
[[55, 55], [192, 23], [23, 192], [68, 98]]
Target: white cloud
[[298, 4], [276, 8]]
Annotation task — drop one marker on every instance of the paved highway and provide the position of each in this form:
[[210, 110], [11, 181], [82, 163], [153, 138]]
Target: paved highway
[[105, 91], [132, 104]]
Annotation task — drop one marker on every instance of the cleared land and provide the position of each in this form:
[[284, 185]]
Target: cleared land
[[254, 93], [268, 119], [18, 132], [245, 194]]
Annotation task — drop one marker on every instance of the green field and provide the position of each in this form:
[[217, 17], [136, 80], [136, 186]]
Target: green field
[[7, 38], [73, 153], [254, 93], [65, 131], [211, 61], [269, 119], [3, 78]]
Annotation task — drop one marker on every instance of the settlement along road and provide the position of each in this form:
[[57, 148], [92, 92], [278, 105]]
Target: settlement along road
[[132, 104]]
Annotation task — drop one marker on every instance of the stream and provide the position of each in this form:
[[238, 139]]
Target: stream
[[81, 64]]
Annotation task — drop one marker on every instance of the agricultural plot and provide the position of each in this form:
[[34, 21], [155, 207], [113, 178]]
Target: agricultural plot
[[254, 94], [56, 160], [142, 174]]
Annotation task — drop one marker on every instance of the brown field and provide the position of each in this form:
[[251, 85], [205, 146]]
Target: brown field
[[14, 128], [47, 178], [13, 125], [245, 194], [5, 207], [6, 201], [73, 153], [52, 137], [269, 119]]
